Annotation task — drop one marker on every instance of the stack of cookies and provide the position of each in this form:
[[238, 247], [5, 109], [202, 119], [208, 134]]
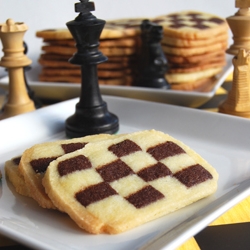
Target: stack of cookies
[[119, 42], [194, 44]]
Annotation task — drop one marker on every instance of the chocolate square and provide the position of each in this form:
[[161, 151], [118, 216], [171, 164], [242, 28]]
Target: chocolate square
[[94, 193], [154, 172], [71, 147], [71, 165], [193, 175], [144, 197], [114, 171], [165, 150], [40, 165], [123, 148]]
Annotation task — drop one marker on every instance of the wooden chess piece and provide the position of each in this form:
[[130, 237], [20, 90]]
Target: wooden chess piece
[[152, 62], [238, 100], [91, 115], [239, 25], [11, 35]]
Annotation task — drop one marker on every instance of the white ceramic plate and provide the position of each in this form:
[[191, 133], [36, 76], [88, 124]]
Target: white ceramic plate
[[221, 139], [64, 91]]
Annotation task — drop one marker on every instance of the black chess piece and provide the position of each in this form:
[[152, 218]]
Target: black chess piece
[[91, 115], [152, 61]]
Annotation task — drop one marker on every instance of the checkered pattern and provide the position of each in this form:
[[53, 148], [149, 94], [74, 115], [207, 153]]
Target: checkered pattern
[[130, 165], [40, 165], [191, 20]]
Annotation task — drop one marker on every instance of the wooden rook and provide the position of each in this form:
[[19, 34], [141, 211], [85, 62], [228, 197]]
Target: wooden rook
[[14, 59], [153, 63], [91, 115], [238, 100]]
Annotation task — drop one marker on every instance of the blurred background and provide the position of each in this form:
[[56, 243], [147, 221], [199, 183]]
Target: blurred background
[[47, 14]]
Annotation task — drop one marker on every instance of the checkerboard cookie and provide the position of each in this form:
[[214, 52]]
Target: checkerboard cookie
[[194, 44], [117, 184], [192, 24], [35, 160], [14, 176]]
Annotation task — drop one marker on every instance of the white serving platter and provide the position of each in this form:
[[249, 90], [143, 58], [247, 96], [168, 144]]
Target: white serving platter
[[64, 91], [223, 140]]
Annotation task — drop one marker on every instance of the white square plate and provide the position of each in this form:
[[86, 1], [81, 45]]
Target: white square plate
[[222, 140], [194, 99]]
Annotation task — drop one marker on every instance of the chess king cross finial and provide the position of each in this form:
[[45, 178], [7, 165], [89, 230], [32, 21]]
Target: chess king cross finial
[[84, 6]]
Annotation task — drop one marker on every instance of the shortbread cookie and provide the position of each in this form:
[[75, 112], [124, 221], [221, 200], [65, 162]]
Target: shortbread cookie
[[60, 42], [190, 51], [59, 50], [198, 59], [77, 72], [201, 85], [35, 160], [120, 42], [196, 68], [118, 184], [125, 80], [184, 65], [66, 50], [122, 81], [192, 24], [127, 27], [192, 76], [65, 64], [180, 42], [57, 64], [14, 176], [120, 28], [63, 79], [54, 34]]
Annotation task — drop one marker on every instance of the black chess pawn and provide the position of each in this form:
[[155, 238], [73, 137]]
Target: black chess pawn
[[91, 115], [152, 61]]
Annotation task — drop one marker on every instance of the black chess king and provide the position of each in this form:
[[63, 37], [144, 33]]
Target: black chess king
[[91, 115]]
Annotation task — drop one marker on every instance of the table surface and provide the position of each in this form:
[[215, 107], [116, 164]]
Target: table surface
[[238, 215]]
